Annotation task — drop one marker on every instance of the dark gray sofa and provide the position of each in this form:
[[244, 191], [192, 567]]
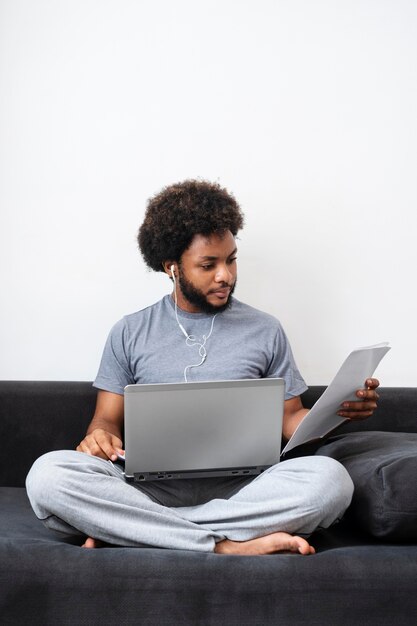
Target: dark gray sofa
[[354, 579]]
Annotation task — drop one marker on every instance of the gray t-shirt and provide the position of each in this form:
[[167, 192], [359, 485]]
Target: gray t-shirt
[[149, 347]]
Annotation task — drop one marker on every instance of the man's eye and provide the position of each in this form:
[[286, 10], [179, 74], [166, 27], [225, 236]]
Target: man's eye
[[233, 259], [207, 267]]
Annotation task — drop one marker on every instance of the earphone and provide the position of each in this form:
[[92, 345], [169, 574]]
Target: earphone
[[184, 332], [191, 340]]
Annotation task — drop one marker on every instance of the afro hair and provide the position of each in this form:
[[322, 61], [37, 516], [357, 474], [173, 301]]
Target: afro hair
[[179, 212]]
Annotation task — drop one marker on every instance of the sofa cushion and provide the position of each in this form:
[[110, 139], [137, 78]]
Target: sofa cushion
[[383, 467], [45, 581]]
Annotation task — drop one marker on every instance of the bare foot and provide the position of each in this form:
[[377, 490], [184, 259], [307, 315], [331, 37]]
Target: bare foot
[[269, 544], [92, 543]]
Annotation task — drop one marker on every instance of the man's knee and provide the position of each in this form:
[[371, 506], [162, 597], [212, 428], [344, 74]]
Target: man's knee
[[328, 486], [44, 477], [334, 487]]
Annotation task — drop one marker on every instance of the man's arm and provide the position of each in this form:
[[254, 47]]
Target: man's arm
[[354, 410], [104, 435], [293, 414]]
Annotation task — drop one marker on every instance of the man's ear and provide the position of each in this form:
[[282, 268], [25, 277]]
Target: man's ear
[[169, 266]]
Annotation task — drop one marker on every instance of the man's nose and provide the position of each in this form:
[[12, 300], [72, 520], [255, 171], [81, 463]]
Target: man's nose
[[223, 275]]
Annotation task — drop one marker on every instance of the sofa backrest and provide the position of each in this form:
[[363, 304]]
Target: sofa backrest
[[36, 417]]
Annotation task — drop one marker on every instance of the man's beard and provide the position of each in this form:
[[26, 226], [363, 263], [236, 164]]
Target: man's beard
[[197, 298]]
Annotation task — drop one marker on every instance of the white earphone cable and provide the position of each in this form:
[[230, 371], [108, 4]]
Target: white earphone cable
[[191, 340]]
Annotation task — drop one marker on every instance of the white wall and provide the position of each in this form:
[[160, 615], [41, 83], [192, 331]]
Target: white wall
[[306, 110]]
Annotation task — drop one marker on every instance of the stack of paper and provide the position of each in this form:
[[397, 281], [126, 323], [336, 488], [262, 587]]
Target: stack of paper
[[323, 418]]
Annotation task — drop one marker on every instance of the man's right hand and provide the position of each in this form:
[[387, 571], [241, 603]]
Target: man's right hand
[[101, 443]]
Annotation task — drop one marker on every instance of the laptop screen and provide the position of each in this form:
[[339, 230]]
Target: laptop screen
[[209, 428]]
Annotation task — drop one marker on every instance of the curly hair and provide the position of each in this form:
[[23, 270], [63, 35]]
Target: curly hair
[[179, 212]]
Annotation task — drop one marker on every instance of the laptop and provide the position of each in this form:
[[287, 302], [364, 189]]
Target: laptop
[[202, 429]]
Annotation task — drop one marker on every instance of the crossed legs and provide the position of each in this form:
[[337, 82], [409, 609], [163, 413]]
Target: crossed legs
[[72, 492]]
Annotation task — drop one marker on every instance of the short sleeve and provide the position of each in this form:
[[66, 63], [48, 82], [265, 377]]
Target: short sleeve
[[114, 372], [283, 366]]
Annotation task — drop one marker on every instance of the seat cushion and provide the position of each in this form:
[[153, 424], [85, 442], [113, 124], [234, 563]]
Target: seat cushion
[[383, 467]]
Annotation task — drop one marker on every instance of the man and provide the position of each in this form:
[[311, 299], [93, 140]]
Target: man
[[201, 332]]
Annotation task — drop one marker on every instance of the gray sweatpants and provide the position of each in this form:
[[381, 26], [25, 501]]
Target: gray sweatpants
[[75, 493]]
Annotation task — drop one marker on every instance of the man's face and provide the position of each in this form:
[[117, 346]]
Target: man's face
[[207, 274]]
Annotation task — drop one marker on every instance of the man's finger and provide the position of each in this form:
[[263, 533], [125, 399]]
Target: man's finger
[[359, 406], [355, 415], [95, 445], [369, 394], [109, 444]]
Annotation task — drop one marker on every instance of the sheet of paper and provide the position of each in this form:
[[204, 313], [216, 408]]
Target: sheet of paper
[[322, 418]]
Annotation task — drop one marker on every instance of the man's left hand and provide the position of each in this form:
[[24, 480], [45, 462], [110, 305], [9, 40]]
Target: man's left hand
[[365, 406]]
